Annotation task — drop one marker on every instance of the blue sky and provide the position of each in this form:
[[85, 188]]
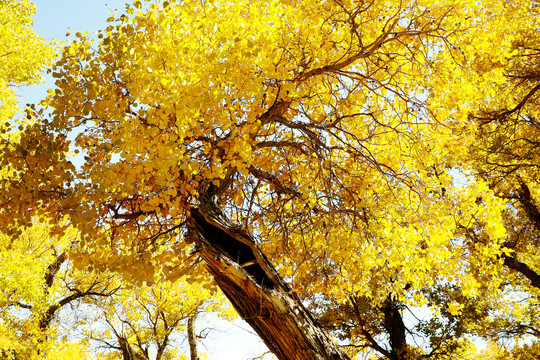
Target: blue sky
[[53, 19]]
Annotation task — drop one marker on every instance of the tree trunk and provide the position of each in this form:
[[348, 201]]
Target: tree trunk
[[192, 337], [125, 347], [393, 323], [256, 290]]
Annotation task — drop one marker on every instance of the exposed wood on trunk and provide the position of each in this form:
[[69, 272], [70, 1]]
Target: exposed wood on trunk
[[257, 291]]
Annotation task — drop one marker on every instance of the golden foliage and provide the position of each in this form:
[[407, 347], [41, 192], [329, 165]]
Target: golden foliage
[[381, 150]]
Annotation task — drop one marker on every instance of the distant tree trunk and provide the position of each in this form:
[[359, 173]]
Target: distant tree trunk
[[125, 347], [192, 337], [256, 290], [127, 351], [393, 323]]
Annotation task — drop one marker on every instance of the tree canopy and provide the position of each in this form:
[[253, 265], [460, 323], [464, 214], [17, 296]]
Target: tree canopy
[[365, 170]]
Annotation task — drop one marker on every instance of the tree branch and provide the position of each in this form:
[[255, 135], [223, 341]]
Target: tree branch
[[522, 268]]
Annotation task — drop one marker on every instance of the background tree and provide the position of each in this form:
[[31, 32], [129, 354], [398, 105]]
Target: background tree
[[152, 322], [23, 57], [23, 54], [506, 156], [38, 282]]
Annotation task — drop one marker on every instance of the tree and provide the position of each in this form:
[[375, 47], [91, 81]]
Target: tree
[[147, 322], [505, 155], [37, 282], [333, 144], [23, 54], [23, 57]]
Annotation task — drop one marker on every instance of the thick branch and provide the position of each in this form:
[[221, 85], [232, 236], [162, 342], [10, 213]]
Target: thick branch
[[528, 204], [522, 268], [374, 344], [272, 179], [275, 111], [522, 103], [51, 311], [366, 52], [533, 213], [127, 350], [53, 269]]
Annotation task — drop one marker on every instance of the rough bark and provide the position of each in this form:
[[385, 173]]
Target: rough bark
[[256, 290]]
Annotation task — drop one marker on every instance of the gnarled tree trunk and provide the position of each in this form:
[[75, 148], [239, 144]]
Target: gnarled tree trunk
[[256, 290]]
